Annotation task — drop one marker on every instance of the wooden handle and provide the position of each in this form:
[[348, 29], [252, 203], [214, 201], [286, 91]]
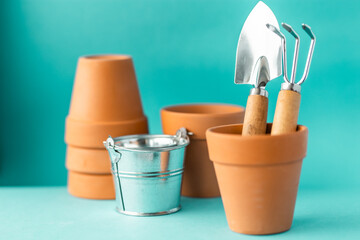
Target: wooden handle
[[255, 115], [286, 112]]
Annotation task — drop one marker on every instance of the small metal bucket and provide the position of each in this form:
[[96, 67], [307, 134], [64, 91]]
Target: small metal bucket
[[147, 172]]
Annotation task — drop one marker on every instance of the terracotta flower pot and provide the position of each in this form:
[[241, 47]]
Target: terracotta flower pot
[[258, 176], [93, 186], [88, 160], [105, 101], [199, 178]]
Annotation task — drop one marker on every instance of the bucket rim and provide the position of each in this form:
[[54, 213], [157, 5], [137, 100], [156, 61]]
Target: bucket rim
[[184, 141]]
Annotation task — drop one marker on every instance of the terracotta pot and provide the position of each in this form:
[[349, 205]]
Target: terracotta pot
[[258, 176], [199, 178], [97, 186], [105, 101], [88, 160]]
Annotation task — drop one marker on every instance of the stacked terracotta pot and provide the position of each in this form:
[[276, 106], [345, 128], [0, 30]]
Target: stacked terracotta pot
[[105, 101]]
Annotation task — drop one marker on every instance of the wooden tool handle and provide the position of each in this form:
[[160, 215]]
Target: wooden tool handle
[[286, 112], [255, 115]]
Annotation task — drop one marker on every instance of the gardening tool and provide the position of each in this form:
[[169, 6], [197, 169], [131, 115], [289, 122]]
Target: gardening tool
[[288, 103], [258, 60]]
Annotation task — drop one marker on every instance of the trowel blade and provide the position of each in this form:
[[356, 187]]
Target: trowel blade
[[256, 42]]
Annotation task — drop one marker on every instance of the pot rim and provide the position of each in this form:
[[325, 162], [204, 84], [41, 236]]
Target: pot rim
[[88, 134], [227, 146], [217, 131], [198, 117], [218, 109]]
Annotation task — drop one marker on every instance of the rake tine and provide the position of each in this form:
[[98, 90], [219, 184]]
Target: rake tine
[[307, 29], [283, 43], [288, 28]]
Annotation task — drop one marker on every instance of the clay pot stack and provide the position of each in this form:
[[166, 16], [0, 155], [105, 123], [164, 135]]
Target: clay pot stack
[[199, 178], [105, 101]]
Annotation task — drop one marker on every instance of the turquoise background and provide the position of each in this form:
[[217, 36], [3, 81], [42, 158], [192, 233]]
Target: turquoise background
[[184, 52]]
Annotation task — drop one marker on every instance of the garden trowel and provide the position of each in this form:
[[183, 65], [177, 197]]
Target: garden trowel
[[258, 60]]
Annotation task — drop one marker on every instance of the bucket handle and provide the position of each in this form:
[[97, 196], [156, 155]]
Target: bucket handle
[[182, 133], [115, 157]]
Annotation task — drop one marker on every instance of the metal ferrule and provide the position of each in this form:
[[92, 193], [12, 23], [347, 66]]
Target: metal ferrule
[[291, 86], [259, 91]]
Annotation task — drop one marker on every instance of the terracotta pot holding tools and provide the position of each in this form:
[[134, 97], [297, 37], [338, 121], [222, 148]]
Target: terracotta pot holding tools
[[199, 178], [105, 101], [258, 176]]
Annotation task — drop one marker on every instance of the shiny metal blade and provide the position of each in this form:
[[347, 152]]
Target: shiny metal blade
[[257, 42]]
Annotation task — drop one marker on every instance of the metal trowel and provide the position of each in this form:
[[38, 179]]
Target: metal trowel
[[258, 60]]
